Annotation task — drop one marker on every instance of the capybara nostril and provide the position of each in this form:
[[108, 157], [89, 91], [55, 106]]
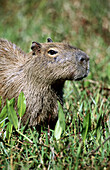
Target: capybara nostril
[[81, 57]]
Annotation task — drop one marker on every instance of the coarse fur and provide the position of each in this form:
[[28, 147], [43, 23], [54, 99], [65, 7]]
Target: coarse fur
[[40, 74]]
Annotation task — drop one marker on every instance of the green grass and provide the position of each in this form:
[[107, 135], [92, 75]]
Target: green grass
[[84, 24]]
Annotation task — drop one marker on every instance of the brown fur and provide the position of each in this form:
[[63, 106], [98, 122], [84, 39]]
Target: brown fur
[[40, 74]]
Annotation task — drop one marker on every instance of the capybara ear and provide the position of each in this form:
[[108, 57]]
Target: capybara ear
[[49, 40], [36, 47]]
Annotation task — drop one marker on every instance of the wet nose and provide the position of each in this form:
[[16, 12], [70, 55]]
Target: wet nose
[[81, 56]]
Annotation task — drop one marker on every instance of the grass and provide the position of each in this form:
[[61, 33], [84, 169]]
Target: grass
[[84, 24]]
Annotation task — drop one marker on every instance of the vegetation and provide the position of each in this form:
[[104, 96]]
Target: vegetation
[[85, 142]]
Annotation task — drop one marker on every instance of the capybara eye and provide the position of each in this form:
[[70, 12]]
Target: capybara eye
[[52, 52]]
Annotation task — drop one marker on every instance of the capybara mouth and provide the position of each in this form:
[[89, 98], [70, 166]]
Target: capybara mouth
[[80, 78]]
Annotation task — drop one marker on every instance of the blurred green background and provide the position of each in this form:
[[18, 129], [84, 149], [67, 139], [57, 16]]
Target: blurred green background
[[82, 23]]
